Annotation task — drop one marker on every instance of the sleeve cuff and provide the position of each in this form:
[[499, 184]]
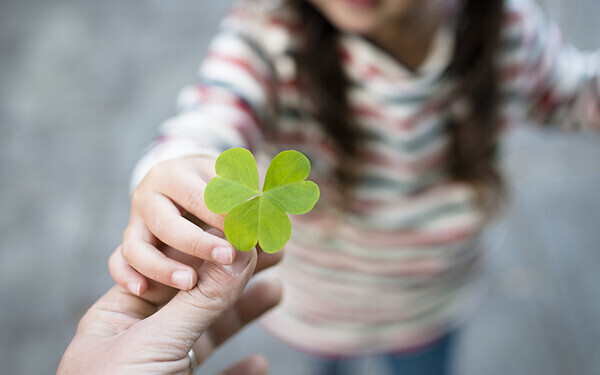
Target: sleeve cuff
[[172, 149]]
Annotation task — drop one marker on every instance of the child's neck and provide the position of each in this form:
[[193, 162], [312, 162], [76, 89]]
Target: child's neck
[[409, 41]]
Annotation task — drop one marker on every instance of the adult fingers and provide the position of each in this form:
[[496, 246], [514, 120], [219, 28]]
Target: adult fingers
[[266, 260], [254, 365], [190, 313], [113, 313], [258, 297]]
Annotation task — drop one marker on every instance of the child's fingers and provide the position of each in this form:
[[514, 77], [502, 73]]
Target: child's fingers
[[166, 223], [124, 275], [151, 262], [154, 292], [187, 190], [157, 293]]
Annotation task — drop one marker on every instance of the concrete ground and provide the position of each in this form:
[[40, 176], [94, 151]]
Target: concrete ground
[[84, 86]]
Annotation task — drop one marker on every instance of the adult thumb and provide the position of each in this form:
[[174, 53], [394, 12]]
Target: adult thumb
[[190, 313]]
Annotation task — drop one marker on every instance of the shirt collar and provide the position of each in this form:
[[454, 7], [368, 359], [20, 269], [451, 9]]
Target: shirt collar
[[366, 60]]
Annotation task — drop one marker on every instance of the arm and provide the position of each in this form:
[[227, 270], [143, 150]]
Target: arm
[[228, 107], [124, 334], [230, 103], [544, 78]]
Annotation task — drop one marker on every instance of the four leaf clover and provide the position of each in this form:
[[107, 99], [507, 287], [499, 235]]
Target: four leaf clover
[[254, 216]]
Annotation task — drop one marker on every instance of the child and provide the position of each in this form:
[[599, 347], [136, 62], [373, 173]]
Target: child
[[400, 106]]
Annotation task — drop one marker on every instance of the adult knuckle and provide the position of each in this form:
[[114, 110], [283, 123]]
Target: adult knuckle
[[213, 294], [83, 323]]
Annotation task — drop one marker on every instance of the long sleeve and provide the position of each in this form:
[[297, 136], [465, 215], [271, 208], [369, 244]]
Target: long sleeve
[[543, 77], [230, 103]]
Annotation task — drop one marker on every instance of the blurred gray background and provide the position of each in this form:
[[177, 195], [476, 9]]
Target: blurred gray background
[[84, 85]]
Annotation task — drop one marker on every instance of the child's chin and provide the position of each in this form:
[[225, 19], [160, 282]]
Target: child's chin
[[356, 26]]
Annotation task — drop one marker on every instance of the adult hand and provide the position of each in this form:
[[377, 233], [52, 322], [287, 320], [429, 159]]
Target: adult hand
[[125, 334]]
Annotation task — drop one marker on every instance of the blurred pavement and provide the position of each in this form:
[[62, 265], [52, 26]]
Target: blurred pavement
[[85, 85]]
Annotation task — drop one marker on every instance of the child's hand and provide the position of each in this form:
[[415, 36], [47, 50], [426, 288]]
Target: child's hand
[[171, 192]]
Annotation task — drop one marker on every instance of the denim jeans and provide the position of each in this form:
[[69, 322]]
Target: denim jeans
[[432, 360]]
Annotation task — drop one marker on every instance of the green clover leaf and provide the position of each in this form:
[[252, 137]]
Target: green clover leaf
[[254, 216]]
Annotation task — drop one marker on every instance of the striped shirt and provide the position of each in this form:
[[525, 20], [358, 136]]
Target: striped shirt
[[397, 267]]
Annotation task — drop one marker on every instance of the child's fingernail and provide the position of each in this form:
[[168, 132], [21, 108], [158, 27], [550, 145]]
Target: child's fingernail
[[223, 254], [183, 279], [241, 262], [134, 288]]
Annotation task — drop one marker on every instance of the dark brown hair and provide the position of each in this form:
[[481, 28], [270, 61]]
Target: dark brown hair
[[473, 128]]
